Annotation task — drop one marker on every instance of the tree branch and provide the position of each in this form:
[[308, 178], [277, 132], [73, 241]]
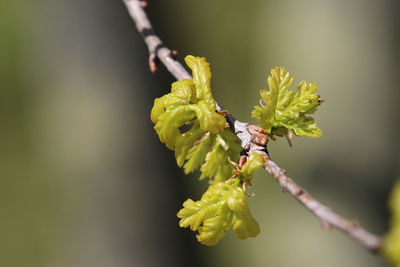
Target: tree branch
[[253, 139]]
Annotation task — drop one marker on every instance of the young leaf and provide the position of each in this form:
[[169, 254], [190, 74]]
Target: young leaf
[[201, 78], [182, 92], [222, 207], [286, 111], [185, 141], [213, 152], [301, 125], [197, 154], [217, 166], [279, 81], [208, 118], [168, 124], [253, 163], [188, 100], [242, 222], [206, 143], [391, 244]]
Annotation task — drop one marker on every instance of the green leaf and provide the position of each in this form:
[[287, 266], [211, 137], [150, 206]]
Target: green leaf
[[222, 207], [278, 82], [305, 100], [168, 124], [197, 154], [302, 126], [185, 141], [201, 78], [254, 162], [233, 143], [391, 244], [213, 153], [394, 202], [182, 92], [285, 111], [208, 118], [206, 143], [242, 222], [217, 166], [187, 102], [213, 228]]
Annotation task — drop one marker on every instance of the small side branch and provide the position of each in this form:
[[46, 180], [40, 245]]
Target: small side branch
[[252, 137], [157, 50]]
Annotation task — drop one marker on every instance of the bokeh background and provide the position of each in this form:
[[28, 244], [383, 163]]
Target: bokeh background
[[84, 180]]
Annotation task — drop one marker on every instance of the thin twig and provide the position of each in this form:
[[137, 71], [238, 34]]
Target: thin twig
[[157, 50], [327, 217], [252, 137]]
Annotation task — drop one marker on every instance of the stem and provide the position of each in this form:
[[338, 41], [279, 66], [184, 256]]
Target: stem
[[327, 217], [251, 136]]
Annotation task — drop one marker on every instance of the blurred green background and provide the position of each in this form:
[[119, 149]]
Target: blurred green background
[[85, 181]]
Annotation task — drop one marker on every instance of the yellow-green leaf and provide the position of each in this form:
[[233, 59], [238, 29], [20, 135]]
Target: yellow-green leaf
[[285, 111], [391, 244], [182, 92], [189, 101], [217, 166], [208, 118], [201, 77], [197, 154], [254, 162], [185, 141], [222, 207], [168, 124]]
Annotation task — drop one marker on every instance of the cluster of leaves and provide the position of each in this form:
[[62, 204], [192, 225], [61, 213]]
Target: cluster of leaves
[[285, 112], [207, 144], [222, 207], [391, 245], [186, 121]]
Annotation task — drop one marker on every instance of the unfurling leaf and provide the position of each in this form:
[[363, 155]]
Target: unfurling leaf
[[188, 103], [284, 111], [201, 78], [213, 152], [182, 92], [185, 141], [217, 166], [222, 207], [391, 244], [208, 118], [197, 154], [168, 124], [254, 162]]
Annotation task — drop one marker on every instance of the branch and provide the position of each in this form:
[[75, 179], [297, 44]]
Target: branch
[[253, 138]]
